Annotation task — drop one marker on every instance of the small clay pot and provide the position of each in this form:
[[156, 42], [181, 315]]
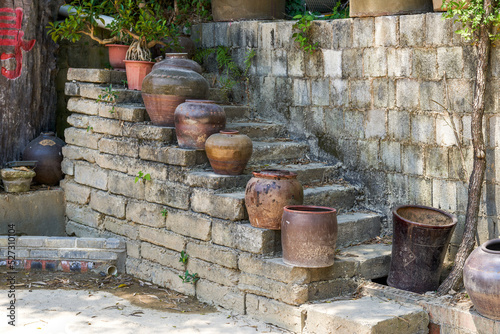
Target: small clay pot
[[16, 181], [309, 236], [482, 278], [117, 53], [168, 86], [267, 193], [196, 120], [229, 152], [136, 72], [47, 150]]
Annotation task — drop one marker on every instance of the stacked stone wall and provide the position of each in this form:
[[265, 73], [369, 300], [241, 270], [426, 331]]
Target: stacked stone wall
[[372, 96]]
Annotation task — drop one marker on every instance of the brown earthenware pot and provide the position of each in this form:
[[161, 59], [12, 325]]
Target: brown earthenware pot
[[267, 193], [168, 86], [482, 278], [229, 152], [47, 150], [309, 236], [196, 120]]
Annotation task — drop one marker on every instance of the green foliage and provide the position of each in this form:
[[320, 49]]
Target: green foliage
[[189, 278], [472, 16], [184, 257], [302, 27], [141, 175], [193, 11], [295, 7], [90, 128], [340, 11], [164, 212], [229, 70], [108, 96]]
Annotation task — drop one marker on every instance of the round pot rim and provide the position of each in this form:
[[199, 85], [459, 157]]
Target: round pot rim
[[488, 243], [199, 101], [176, 54], [118, 45], [275, 174], [296, 209], [449, 215], [48, 133], [139, 62], [229, 132]]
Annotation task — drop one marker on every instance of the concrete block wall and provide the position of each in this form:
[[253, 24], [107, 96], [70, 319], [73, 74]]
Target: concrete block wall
[[366, 97]]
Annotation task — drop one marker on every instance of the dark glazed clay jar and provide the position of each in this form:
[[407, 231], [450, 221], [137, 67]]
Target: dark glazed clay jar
[[309, 236], [229, 152], [482, 278], [419, 243], [47, 150], [166, 87], [267, 193], [196, 120]]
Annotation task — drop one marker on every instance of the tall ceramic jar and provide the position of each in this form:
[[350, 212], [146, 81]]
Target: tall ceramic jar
[[196, 120], [309, 236], [482, 278], [267, 193], [229, 152], [47, 150], [169, 85]]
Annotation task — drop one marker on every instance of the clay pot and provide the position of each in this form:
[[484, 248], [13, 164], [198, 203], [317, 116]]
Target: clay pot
[[117, 53], [136, 72], [420, 240], [47, 150], [196, 120], [179, 60], [229, 152], [267, 193], [482, 278], [309, 236], [16, 181], [231, 10], [362, 8], [167, 86]]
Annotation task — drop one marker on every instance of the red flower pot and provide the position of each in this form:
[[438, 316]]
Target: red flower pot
[[136, 71], [117, 55]]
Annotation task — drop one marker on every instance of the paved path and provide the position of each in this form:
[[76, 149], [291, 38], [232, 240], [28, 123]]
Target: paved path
[[75, 312]]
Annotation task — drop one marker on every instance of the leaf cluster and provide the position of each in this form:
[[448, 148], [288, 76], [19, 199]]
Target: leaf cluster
[[472, 16], [302, 27], [141, 175]]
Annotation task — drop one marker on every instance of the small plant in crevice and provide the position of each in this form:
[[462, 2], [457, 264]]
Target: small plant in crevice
[[189, 278], [302, 28], [142, 176], [108, 96], [90, 128], [164, 212], [184, 257]]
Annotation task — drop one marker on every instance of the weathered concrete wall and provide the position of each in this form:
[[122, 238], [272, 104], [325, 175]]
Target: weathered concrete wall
[[366, 97]]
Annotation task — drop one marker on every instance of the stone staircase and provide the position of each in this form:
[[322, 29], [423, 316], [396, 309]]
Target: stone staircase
[[272, 290]]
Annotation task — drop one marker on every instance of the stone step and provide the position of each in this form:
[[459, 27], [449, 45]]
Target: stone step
[[307, 172], [355, 227], [278, 151], [335, 196], [256, 130], [235, 112], [217, 95], [130, 112], [366, 315], [93, 91], [95, 75]]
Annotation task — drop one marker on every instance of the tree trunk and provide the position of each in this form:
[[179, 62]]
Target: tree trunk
[[28, 60], [454, 279]]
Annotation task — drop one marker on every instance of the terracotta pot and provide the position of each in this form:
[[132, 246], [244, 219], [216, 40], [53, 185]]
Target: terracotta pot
[[136, 72], [482, 278], [267, 193], [196, 120], [420, 240], [168, 86], [47, 150], [235, 10], [117, 53], [178, 60], [309, 236], [361, 8], [229, 152]]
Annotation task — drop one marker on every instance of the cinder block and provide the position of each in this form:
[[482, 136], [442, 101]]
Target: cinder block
[[438, 30], [114, 162], [279, 63], [121, 227], [280, 314], [386, 28], [296, 64], [274, 269], [407, 93], [413, 159], [354, 122], [81, 137], [223, 256], [267, 33], [213, 272], [79, 121], [79, 153], [59, 242], [228, 297], [189, 224], [162, 237], [339, 92], [390, 155], [375, 62], [161, 255], [90, 242], [333, 63], [73, 254], [412, 30], [384, 93], [450, 61], [44, 254], [425, 64], [91, 175], [108, 204], [436, 165], [226, 206], [83, 215], [422, 129], [76, 193], [301, 92], [145, 213], [168, 193], [283, 38], [125, 146], [363, 30], [375, 124], [369, 153], [244, 237], [83, 106], [125, 185], [399, 62], [360, 94], [444, 195], [321, 32], [314, 64]]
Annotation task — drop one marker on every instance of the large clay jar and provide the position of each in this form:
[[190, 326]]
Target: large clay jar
[[267, 193], [47, 150], [168, 85], [309, 236], [196, 120], [419, 243], [229, 152], [482, 278]]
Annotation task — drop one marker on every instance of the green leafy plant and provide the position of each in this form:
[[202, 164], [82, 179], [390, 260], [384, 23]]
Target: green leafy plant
[[141, 175], [184, 257], [295, 7], [108, 96], [302, 28], [189, 278], [90, 128], [164, 212]]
